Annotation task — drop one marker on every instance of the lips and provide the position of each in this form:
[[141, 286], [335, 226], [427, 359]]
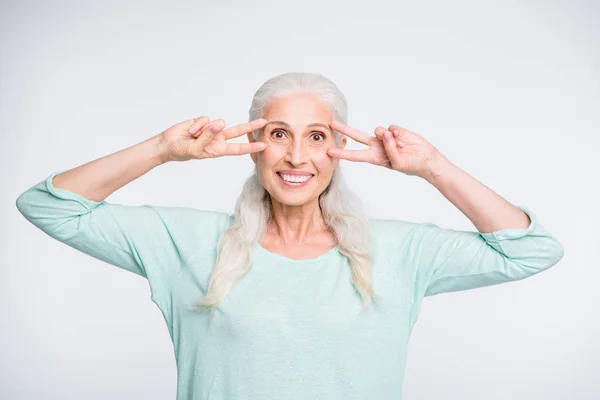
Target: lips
[[302, 176], [298, 173], [294, 184]]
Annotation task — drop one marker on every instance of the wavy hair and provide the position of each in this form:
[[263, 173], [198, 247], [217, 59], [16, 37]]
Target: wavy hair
[[342, 209]]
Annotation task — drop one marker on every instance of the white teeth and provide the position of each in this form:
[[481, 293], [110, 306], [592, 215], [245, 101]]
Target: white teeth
[[295, 178]]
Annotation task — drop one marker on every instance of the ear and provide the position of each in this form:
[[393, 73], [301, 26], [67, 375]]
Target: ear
[[250, 140], [343, 143]]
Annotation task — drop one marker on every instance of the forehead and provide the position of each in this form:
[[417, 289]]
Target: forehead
[[297, 109]]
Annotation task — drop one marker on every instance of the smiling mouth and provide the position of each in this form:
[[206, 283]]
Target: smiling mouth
[[294, 180]]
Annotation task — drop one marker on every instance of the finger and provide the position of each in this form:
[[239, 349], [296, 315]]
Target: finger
[[354, 133], [350, 155], [198, 123], [403, 133], [237, 149], [206, 128], [239, 130], [379, 132], [208, 132], [391, 149], [395, 135], [396, 130]]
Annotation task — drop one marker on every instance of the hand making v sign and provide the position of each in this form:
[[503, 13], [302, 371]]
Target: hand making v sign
[[395, 148]]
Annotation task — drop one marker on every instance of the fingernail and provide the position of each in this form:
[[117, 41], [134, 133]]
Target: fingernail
[[215, 128], [387, 134]]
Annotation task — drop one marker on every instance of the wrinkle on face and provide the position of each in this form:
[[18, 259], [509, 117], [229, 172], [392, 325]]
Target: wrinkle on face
[[297, 135]]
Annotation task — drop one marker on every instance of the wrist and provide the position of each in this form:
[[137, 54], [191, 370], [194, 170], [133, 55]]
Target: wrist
[[438, 168], [159, 146]]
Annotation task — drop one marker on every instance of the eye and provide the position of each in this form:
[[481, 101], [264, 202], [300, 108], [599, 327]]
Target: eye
[[321, 135], [279, 134], [274, 131]]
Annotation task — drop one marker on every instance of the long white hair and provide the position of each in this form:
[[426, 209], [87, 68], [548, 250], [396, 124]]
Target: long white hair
[[342, 210]]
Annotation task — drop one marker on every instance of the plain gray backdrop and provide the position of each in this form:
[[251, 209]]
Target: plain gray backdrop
[[509, 91]]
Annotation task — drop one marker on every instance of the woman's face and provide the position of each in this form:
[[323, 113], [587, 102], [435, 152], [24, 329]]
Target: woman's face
[[297, 135]]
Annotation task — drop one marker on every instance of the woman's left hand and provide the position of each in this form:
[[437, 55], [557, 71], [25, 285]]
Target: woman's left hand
[[395, 148]]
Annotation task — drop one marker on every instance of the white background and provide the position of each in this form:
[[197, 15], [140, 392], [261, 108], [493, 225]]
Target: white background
[[510, 92]]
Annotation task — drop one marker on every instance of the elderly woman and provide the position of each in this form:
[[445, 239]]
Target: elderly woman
[[296, 295]]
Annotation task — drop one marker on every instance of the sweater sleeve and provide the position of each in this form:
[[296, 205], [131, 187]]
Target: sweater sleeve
[[452, 260], [151, 241]]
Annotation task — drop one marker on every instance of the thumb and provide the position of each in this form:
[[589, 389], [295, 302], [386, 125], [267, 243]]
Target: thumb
[[195, 124], [209, 131], [391, 149]]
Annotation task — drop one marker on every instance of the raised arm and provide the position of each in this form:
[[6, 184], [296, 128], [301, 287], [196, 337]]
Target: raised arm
[[452, 260], [509, 243], [97, 179], [150, 241]]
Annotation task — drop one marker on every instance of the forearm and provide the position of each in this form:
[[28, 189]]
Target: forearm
[[486, 209], [97, 179]]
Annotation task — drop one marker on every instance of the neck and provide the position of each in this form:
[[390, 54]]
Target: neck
[[293, 224]]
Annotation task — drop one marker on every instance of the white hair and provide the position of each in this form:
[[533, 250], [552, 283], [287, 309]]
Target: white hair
[[342, 209]]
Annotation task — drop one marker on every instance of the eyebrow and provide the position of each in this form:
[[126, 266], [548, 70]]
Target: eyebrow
[[288, 125]]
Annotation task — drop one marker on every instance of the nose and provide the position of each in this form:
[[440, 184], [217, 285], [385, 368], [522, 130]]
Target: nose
[[297, 153]]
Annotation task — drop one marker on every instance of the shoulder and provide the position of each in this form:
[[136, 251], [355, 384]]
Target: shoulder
[[187, 216], [192, 225], [382, 229], [393, 236]]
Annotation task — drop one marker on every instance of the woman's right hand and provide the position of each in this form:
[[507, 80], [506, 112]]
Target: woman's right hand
[[199, 138]]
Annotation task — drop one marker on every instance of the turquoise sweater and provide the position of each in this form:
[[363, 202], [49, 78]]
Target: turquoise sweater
[[289, 329]]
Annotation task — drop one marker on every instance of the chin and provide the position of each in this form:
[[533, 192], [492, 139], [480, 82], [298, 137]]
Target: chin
[[292, 200]]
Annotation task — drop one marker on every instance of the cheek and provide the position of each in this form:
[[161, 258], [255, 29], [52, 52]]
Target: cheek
[[268, 160], [321, 156], [323, 162], [269, 156]]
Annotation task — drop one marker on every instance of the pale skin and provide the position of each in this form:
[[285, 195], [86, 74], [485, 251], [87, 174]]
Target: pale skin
[[297, 229], [186, 140], [407, 152]]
